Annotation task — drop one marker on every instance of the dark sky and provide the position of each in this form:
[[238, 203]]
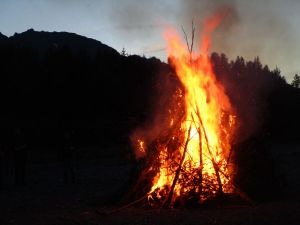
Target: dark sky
[[265, 28]]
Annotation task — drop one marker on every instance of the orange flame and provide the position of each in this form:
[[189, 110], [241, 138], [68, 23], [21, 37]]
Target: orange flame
[[207, 128]]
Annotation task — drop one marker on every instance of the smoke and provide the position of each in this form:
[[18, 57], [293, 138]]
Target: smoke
[[165, 105], [267, 29], [200, 10], [249, 29], [139, 19], [142, 23], [252, 28]]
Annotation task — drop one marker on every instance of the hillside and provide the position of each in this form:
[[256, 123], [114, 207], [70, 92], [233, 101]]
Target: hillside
[[56, 81], [42, 42]]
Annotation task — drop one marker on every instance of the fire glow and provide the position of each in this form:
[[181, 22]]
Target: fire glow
[[199, 164]]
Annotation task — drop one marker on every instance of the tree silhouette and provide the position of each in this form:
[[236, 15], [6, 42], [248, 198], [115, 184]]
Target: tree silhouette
[[123, 52], [296, 81]]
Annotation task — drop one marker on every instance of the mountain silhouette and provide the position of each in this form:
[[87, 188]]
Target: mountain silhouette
[[42, 42], [54, 81]]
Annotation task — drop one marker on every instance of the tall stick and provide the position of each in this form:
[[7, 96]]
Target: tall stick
[[190, 46], [215, 165], [168, 200], [200, 154]]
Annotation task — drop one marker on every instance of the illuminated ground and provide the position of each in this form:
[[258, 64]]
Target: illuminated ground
[[49, 201]]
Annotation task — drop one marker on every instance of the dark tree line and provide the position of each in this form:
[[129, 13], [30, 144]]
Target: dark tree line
[[296, 81], [268, 112], [252, 89], [104, 95]]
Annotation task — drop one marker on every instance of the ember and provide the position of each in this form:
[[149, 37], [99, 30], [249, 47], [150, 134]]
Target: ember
[[192, 161]]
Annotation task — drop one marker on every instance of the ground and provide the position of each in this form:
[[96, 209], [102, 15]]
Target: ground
[[47, 200]]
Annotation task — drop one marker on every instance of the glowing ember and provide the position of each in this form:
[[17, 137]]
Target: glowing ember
[[141, 145], [198, 165]]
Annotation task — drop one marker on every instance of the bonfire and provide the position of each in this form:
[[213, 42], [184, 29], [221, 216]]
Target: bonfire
[[190, 159]]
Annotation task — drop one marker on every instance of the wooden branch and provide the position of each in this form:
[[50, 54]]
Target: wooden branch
[[186, 39], [106, 213], [190, 46], [200, 154], [242, 194], [215, 165], [193, 36], [168, 200]]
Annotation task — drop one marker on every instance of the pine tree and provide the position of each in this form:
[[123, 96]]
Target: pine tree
[[296, 81]]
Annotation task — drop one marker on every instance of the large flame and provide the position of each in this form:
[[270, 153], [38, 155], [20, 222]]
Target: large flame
[[200, 163]]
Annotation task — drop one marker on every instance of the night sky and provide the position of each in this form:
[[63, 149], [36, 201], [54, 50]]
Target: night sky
[[268, 29]]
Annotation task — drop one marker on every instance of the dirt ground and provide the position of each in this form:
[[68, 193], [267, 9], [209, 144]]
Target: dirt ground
[[47, 200]]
